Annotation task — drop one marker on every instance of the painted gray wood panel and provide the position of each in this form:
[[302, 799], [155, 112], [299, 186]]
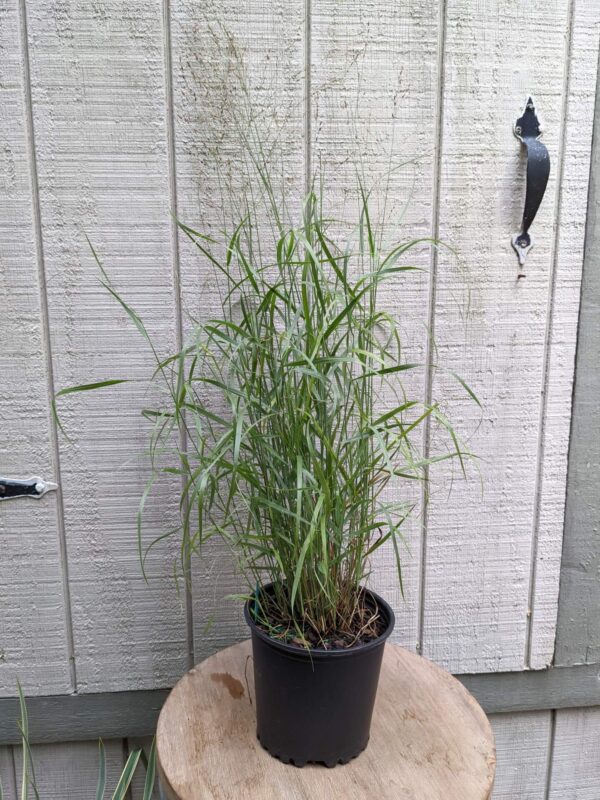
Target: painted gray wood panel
[[69, 771], [492, 328], [220, 49], [33, 633], [575, 773], [83, 716], [335, 65], [7, 773], [561, 336], [99, 112], [374, 110], [578, 628], [522, 752]]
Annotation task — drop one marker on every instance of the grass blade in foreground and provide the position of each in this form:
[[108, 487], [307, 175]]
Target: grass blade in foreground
[[28, 774], [101, 787], [150, 773], [127, 775]]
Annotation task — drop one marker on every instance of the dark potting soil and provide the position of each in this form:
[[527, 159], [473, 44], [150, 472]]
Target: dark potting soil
[[366, 625]]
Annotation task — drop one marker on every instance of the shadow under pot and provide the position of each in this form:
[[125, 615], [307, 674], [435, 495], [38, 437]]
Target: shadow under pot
[[315, 705]]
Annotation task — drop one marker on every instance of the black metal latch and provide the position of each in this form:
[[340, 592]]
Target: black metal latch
[[527, 129], [31, 487]]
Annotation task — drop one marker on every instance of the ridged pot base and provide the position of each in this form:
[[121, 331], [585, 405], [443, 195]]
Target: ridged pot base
[[285, 759]]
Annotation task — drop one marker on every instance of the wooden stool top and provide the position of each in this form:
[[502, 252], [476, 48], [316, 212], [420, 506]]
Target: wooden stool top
[[430, 740]]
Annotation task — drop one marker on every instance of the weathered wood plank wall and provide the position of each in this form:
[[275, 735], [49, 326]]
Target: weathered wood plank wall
[[71, 770], [477, 574], [111, 116], [523, 755], [253, 45], [481, 577], [34, 629], [573, 167], [578, 627], [372, 109], [97, 84], [575, 772], [7, 773]]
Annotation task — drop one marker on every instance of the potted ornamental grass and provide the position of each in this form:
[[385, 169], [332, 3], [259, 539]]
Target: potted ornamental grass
[[297, 416]]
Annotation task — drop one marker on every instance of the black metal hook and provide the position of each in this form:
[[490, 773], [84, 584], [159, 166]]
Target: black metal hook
[[30, 487], [527, 129]]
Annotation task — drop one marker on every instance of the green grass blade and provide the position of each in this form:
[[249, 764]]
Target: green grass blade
[[127, 775], [24, 726], [466, 387], [304, 550], [101, 785], [28, 771], [139, 520], [87, 387], [150, 773], [388, 370]]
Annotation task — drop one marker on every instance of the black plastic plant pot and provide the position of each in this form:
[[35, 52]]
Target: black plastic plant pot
[[315, 705]]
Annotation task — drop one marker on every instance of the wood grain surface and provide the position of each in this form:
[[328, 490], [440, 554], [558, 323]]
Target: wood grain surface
[[232, 61], [97, 73], [495, 331], [573, 166], [477, 571], [575, 770], [71, 772], [374, 112], [523, 752], [429, 739], [578, 626], [33, 632], [526, 769], [7, 774]]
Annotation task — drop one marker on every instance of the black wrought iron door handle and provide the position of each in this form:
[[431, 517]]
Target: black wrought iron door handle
[[527, 129], [30, 487]]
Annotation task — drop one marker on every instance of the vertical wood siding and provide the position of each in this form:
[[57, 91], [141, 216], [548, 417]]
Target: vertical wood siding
[[575, 771], [97, 74], [7, 773], [480, 547], [127, 106], [218, 49], [523, 753], [561, 328], [70, 771], [578, 625], [33, 644], [374, 112]]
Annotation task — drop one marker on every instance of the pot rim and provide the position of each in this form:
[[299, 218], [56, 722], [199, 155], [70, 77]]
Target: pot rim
[[320, 652]]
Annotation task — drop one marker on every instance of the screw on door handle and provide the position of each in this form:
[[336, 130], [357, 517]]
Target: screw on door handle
[[31, 487], [527, 129]]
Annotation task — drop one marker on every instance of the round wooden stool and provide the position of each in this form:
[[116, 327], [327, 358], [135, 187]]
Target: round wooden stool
[[430, 740]]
